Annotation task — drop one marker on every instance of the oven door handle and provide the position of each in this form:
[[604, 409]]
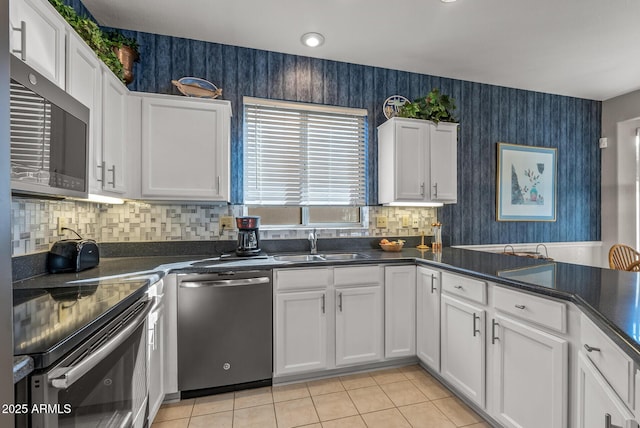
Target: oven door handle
[[64, 377]]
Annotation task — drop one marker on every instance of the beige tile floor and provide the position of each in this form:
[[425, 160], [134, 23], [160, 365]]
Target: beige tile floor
[[392, 398]]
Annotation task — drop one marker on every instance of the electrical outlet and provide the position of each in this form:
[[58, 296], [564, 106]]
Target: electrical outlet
[[62, 222], [416, 223], [381, 221], [406, 220], [226, 222]]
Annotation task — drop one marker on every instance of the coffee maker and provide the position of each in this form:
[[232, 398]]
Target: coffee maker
[[248, 237]]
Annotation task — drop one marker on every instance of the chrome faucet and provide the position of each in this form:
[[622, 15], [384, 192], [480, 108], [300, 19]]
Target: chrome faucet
[[313, 241]]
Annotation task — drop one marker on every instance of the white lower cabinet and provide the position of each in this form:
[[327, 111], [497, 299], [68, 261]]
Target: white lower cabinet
[[529, 374], [399, 311], [428, 317], [359, 325], [300, 332], [463, 347], [598, 404], [156, 360]]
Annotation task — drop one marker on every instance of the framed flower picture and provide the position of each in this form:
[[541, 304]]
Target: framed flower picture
[[526, 187]]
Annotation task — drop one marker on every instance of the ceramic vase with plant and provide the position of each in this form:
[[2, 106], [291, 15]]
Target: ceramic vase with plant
[[126, 49]]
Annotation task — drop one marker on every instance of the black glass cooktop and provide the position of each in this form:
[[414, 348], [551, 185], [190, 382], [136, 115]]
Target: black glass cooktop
[[50, 322]]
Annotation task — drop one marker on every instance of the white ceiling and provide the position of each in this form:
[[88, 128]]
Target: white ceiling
[[581, 48]]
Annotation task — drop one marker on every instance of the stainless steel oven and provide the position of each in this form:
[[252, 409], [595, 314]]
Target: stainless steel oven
[[102, 383]]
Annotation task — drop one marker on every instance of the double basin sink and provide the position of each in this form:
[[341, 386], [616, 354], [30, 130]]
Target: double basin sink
[[319, 257]]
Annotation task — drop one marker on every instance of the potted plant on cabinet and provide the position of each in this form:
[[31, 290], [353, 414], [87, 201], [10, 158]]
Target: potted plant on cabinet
[[434, 106], [126, 50]]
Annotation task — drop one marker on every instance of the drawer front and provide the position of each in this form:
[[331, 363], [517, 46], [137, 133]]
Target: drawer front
[[471, 289], [354, 275], [615, 365], [545, 312], [301, 279]]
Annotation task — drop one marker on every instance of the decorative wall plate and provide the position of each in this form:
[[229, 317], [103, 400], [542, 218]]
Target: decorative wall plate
[[392, 105], [196, 87]]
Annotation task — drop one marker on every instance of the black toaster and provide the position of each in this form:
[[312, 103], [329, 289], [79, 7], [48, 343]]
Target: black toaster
[[73, 255]]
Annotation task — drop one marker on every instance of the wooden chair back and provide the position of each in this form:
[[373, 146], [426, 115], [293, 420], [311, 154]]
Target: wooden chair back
[[622, 256]]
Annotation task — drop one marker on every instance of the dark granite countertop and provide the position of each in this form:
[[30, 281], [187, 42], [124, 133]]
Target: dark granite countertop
[[608, 297]]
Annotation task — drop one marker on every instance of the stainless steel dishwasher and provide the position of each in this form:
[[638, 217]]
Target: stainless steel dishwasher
[[224, 331]]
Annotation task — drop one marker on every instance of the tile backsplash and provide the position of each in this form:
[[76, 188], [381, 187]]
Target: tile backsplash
[[34, 223]]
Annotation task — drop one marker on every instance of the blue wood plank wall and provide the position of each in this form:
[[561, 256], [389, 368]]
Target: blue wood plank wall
[[488, 114]]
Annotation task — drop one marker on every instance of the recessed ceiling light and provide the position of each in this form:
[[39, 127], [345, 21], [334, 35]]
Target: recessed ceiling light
[[312, 40]]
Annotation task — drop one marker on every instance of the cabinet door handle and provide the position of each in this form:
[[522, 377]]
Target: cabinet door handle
[[218, 184], [459, 287], [520, 306], [607, 422], [435, 193], [591, 348], [340, 301], [23, 40], [493, 332], [433, 279], [422, 189], [475, 328], [112, 171], [323, 302], [102, 172]]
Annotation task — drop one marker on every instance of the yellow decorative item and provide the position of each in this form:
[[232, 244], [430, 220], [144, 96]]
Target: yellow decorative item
[[422, 246]]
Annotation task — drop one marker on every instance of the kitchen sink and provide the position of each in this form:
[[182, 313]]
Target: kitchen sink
[[298, 258], [319, 257], [344, 256]]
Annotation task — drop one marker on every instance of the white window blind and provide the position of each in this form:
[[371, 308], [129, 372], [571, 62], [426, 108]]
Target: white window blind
[[303, 154]]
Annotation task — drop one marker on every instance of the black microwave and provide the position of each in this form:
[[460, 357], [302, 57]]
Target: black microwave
[[49, 137]]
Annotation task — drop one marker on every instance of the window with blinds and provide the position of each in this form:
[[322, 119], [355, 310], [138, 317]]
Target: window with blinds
[[303, 154]]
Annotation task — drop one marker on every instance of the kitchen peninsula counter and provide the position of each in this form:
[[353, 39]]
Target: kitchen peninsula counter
[[608, 297]]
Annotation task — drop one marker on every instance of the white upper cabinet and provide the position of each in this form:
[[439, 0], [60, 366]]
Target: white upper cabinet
[[417, 162], [112, 168], [37, 36], [185, 148], [84, 82]]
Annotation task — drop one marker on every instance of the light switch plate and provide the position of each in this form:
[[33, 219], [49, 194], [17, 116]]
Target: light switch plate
[[406, 221], [381, 221]]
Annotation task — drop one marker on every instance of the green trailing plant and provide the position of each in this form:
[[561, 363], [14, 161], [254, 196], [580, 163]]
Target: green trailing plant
[[434, 106], [91, 33]]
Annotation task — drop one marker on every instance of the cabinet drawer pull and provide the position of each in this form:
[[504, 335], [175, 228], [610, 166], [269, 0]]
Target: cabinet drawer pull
[[520, 306], [433, 279], [23, 40], [591, 348], [323, 302], [340, 301], [475, 328], [459, 287], [494, 323]]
